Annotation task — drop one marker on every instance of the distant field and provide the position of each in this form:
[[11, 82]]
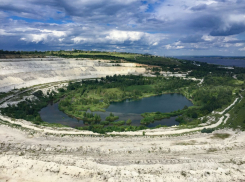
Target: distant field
[[115, 54], [112, 56], [13, 56], [118, 57]]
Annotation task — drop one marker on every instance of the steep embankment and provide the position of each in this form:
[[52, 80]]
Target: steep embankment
[[19, 73]]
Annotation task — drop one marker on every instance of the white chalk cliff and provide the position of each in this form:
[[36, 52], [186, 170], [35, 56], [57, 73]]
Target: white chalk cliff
[[19, 73]]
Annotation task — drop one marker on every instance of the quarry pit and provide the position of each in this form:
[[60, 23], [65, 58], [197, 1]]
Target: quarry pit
[[36, 153]]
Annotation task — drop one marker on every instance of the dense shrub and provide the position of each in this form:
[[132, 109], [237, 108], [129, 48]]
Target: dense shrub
[[207, 130]]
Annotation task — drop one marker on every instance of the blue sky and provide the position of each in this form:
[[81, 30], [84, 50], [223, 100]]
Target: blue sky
[[161, 27]]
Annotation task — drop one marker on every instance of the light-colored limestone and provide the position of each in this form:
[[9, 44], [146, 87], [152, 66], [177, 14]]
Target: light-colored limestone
[[40, 154], [19, 73], [52, 158]]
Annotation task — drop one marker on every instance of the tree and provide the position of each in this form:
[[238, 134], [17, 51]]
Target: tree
[[128, 122], [185, 107], [194, 115], [157, 73]]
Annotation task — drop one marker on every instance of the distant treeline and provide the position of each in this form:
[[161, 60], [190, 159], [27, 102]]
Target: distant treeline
[[143, 59], [22, 52], [107, 57]]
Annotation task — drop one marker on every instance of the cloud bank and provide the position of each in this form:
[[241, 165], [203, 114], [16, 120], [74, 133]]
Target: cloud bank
[[162, 27]]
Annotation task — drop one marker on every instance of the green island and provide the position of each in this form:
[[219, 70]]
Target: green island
[[209, 87]]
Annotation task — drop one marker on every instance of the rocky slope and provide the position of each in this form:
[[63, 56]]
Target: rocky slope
[[19, 73]]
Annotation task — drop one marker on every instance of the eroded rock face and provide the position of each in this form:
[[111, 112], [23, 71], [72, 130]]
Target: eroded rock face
[[19, 73]]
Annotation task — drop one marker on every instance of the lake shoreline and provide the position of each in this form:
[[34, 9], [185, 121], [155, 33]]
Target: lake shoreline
[[125, 110]]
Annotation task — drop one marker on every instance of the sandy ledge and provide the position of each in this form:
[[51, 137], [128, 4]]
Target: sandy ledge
[[197, 157]]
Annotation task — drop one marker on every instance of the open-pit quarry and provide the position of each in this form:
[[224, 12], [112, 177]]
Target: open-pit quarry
[[19, 73], [32, 153]]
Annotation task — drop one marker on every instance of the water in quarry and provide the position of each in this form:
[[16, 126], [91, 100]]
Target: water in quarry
[[128, 109]]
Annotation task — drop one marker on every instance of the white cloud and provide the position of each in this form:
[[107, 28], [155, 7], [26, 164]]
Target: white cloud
[[143, 8], [174, 47], [3, 32], [37, 37], [237, 18], [168, 46], [122, 36], [170, 25], [208, 38], [77, 40], [155, 44], [54, 33], [238, 44], [119, 37], [44, 35], [180, 47], [242, 49], [230, 38]]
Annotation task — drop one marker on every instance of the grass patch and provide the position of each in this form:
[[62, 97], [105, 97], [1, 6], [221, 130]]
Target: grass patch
[[212, 150], [143, 88], [191, 142], [221, 136], [237, 116]]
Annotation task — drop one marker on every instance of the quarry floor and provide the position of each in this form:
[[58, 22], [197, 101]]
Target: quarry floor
[[34, 157]]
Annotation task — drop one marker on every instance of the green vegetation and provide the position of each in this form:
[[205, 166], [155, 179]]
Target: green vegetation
[[3, 95], [101, 129], [96, 95], [212, 150], [105, 123], [147, 120], [23, 54], [191, 142], [111, 118], [221, 136], [218, 90], [27, 109], [237, 115], [118, 123], [90, 118], [129, 122], [151, 117], [207, 130], [116, 57]]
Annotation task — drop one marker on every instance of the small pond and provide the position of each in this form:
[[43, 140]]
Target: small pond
[[128, 109]]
